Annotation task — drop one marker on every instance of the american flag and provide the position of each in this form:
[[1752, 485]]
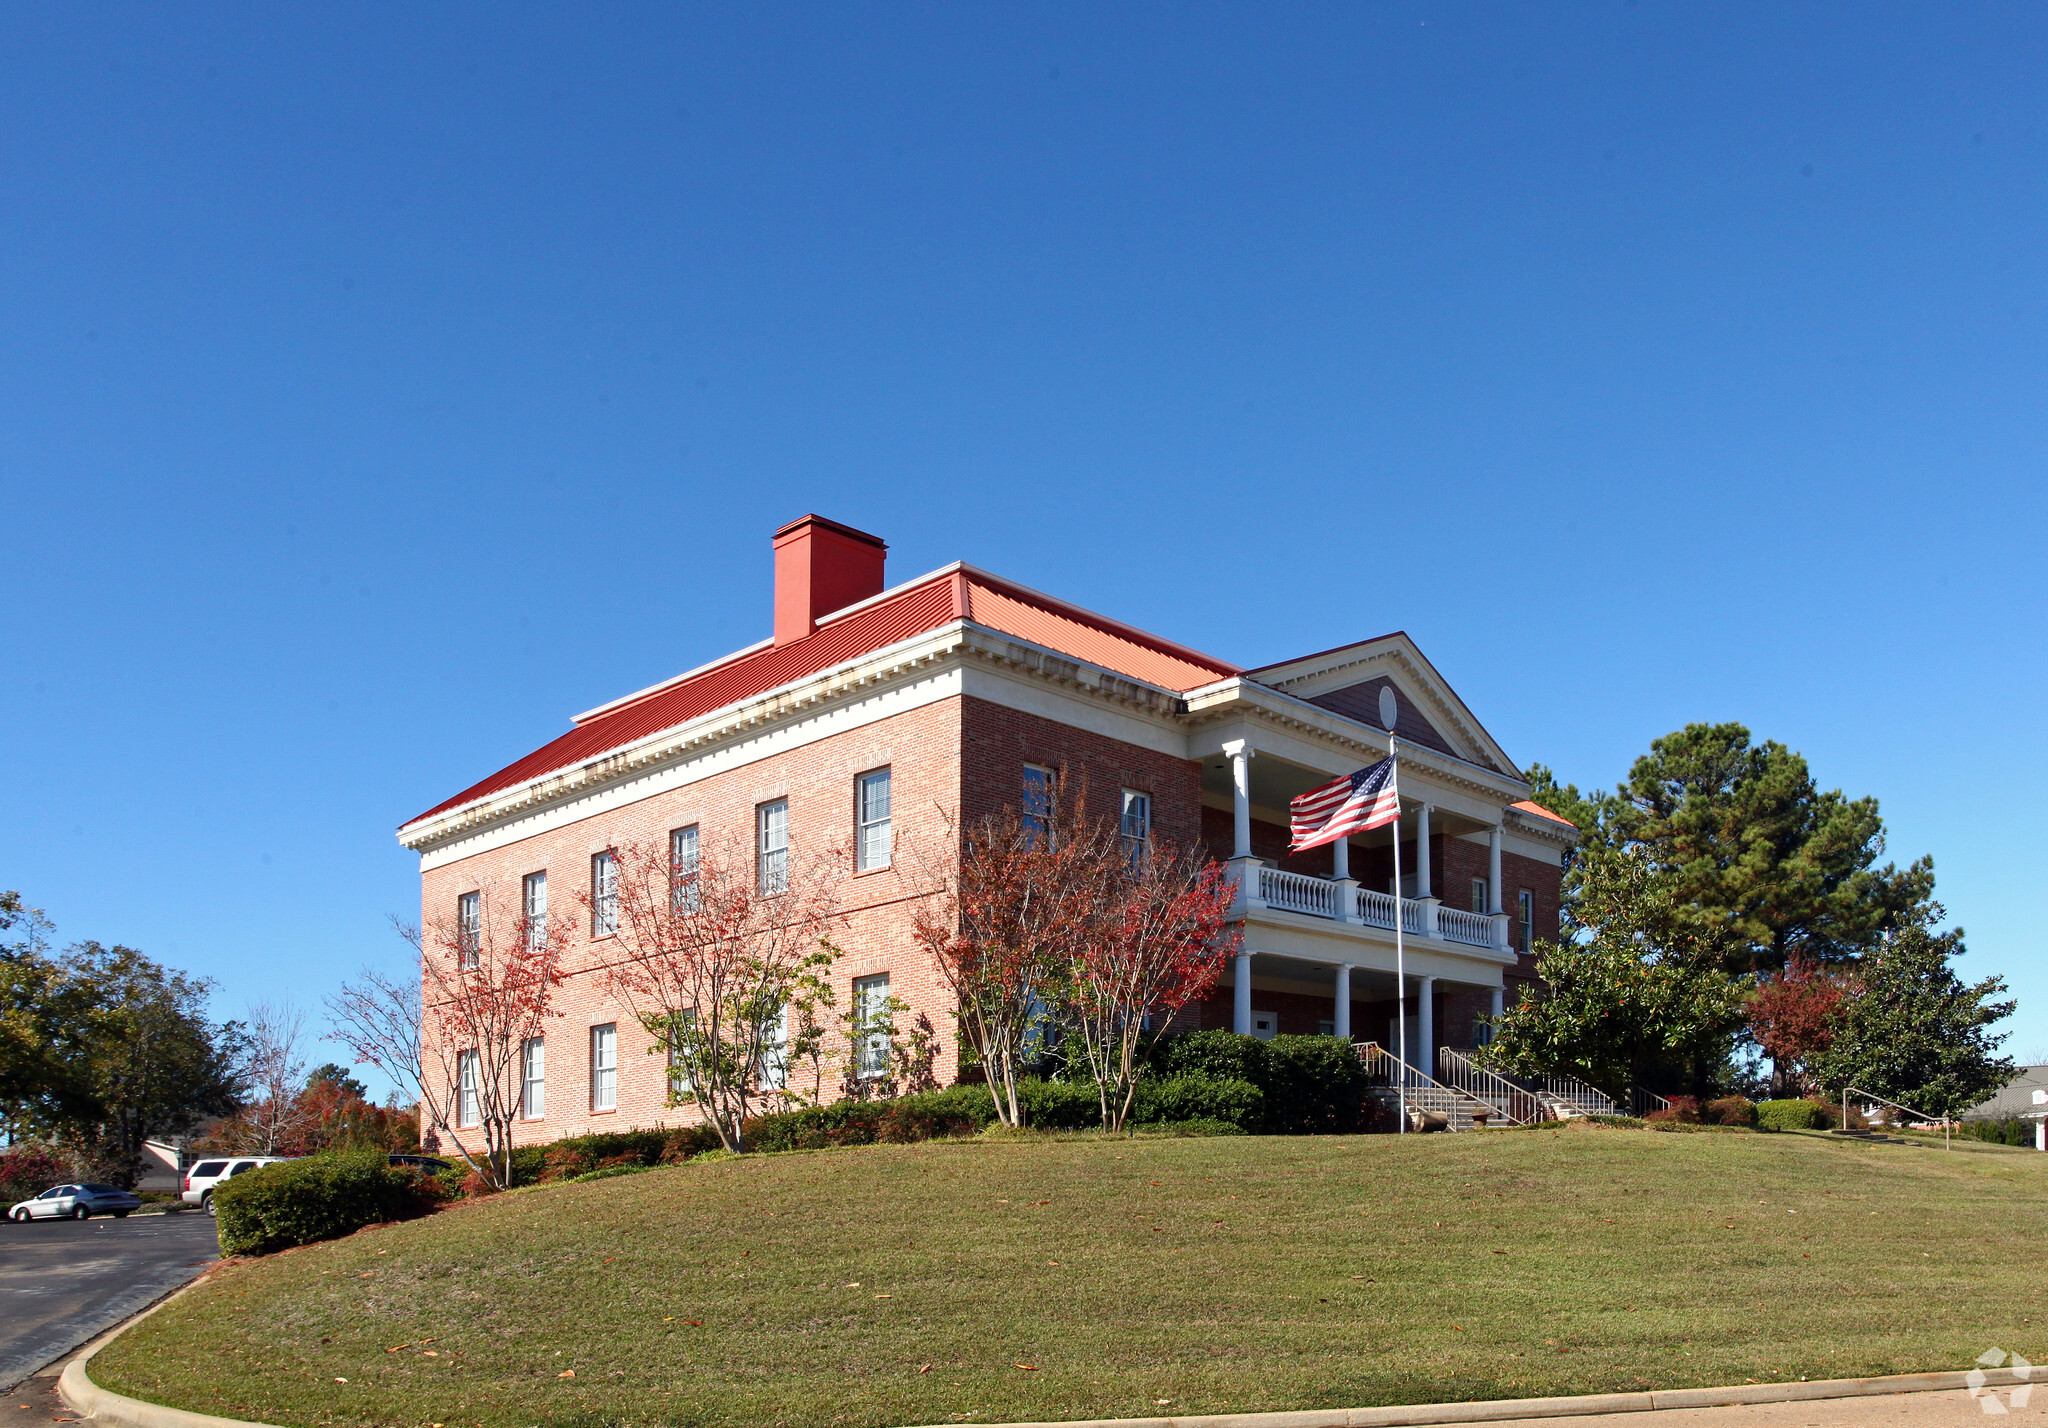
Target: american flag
[[1352, 804]]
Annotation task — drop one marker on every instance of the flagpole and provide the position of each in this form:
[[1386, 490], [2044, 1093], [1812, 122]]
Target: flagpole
[[1400, 951]]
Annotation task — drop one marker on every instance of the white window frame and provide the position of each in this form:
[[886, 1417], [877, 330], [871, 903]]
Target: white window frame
[[685, 857], [1525, 913], [1036, 803], [680, 1082], [774, 1064], [604, 1067], [469, 929], [604, 894], [871, 1001], [1135, 824], [1480, 898], [533, 905], [771, 847], [533, 1078], [873, 832], [468, 1089]]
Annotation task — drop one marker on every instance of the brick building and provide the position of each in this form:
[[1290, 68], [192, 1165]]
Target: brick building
[[878, 717]]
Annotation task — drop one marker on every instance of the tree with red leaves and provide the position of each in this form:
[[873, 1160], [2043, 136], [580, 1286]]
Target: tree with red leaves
[[996, 930], [1794, 1014], [724, 959], [454, 1037], [1150, 938], [1054, 918]]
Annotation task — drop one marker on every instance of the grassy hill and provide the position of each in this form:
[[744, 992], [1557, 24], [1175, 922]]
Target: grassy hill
[[911, 1284]]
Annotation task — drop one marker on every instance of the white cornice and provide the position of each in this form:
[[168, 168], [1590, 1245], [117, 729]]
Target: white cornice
[[1240, 697], [918, 657]]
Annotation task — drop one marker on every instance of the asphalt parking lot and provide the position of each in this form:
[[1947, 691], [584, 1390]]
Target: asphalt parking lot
[[64, 1281]]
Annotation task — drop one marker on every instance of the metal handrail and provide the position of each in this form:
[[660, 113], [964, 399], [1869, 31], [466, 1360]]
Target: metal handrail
[[1371, 1051], [1947, 1138], [1515, 1103], [1638, 1096], [1568, 1088]]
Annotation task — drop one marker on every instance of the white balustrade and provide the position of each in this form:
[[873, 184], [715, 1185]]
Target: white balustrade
[[1457, 925], [1298, 892], [1317, 897]]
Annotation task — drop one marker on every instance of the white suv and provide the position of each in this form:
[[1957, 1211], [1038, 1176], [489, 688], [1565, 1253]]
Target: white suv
[[201, 1178]]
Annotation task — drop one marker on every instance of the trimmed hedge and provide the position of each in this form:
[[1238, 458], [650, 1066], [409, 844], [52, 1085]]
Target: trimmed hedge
[[1313, 1085], [321, 1197], [1791, 1115]]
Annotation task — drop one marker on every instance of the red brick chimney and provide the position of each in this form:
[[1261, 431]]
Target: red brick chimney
[[821, 566]]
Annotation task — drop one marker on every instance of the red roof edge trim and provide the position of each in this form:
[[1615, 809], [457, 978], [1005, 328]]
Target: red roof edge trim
[[1084, 615], [1528, 806]]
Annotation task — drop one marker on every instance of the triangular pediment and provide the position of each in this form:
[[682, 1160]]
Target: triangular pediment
[[1387, 676]]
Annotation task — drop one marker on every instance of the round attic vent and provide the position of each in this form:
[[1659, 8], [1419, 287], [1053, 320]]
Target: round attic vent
[[1390, 707]]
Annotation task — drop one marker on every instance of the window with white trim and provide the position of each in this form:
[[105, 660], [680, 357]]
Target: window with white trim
[[1525, 914], [1136, 825], [1479, 894], [468, 1098], [680, 1028], [774, 1063], [682, 868], [533, 902], [469, 928], [1036, 809], [871, 1002], [533, 1078], [604, 1067], [771, 847], [872, 845], [604, 894]]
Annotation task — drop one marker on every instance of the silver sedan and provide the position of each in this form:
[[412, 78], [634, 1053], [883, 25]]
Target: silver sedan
[[76, 1202]]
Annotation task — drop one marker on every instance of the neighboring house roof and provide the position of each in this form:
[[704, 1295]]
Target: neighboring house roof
[[958, 592], [1526, 806], [2015, 1098]]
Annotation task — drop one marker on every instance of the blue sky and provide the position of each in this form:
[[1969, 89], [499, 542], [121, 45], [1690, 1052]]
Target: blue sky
[[378, 388]]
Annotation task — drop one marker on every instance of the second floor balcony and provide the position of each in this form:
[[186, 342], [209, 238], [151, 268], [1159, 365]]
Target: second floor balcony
[[1342, 900]]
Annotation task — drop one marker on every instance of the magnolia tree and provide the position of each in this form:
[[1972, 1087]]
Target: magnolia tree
[[1054, 918], [724, 958], [454, 1035]]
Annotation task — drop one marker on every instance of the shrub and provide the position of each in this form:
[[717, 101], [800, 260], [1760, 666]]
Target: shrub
[[1731, 1111], [2009, 1131], [1683, 1110], [31, 1168], [1201, 1126], [1789, 1115], [322, 1197], [1191, 1097], [1313, 1085]]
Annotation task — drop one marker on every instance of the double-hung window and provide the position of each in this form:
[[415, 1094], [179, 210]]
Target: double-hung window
[[871, 835], [533, 1078], [871, 1005], [1479, 894], [682, 868], [1137, 825], [604, 1067], [681, 1027], [1525, 914], [604, 894], [469, 929], [533, 902], [774, 1061], [771, 847], [1039, 786], [468, 1097]]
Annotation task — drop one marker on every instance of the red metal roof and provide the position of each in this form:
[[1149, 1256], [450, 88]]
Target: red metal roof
[[1540, 811], [950, 595]]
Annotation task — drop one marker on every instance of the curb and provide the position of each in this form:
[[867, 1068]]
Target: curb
[[84, 1396]]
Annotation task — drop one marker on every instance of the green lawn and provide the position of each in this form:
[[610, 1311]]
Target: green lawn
[[907, 1284]]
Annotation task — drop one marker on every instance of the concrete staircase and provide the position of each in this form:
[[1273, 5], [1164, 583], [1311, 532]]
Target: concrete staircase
[[1878, 1138]]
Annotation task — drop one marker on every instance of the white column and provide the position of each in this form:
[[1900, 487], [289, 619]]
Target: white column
[[1343, 1017], [1423, 887], [1499, 1001], [1493, 903], [2041, 1135], [1240, 752], [1340, 859], [1347, 887], [1241, 1009], [1424, 1059]]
